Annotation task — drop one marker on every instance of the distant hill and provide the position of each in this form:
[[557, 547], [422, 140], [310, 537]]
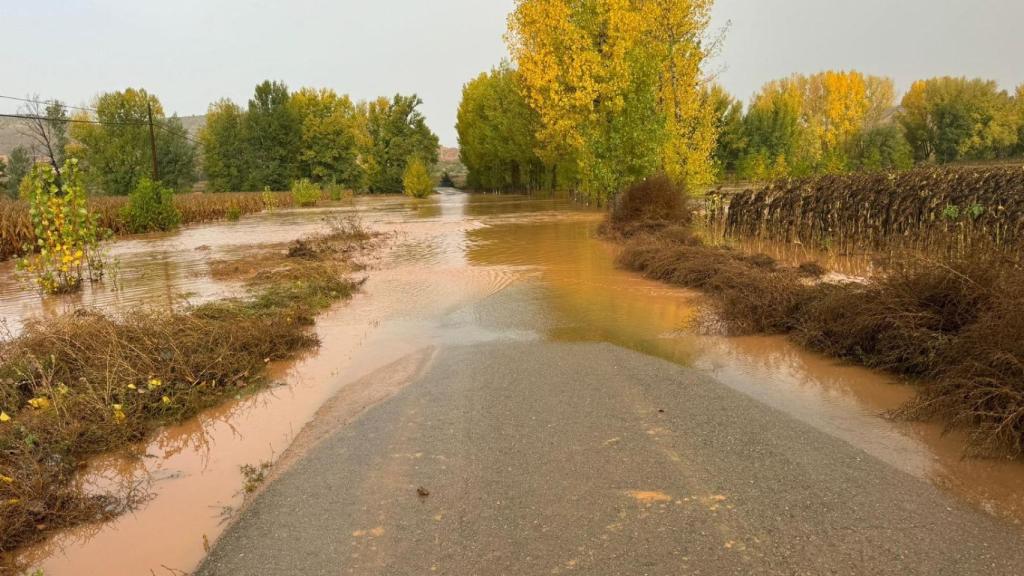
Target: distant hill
[[11, 132]]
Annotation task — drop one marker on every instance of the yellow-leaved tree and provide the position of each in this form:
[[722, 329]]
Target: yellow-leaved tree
[[617, 86], [804, 124]]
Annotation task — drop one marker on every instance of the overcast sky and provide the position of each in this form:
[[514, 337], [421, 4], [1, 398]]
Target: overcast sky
[[191, 52]]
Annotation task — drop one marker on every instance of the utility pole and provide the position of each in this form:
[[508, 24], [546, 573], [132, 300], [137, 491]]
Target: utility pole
[[152, 141]]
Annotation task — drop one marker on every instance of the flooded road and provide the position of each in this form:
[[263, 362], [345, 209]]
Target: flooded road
[[433, 287]]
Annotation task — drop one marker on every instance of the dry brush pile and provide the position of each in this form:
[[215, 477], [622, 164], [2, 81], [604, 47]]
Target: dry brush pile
[[85, 383], [16, 226], [930, 208], [954, 324]]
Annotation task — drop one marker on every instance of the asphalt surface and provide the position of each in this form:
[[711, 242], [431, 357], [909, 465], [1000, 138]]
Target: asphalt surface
[[554, 458]]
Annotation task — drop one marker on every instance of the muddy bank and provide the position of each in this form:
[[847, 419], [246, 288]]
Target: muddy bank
[[951, 323], [82, 384]]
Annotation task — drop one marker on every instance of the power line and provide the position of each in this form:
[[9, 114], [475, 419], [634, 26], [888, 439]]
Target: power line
[[71, 120], [184, 134], [156, 123], [31, 101]]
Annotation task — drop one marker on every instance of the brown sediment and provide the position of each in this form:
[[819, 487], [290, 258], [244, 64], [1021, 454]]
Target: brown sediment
[[351, 401]]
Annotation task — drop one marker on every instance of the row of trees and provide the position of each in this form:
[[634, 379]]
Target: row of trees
[[602, 93], [279, 138], [840, 121], [315, 134]]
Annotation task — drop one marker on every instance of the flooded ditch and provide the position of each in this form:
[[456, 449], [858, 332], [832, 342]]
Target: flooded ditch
[[431, 287]]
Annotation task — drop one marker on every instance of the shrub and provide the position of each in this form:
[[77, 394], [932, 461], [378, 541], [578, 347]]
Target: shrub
[[416, 181], [337, 192], [67, 235], [654, 203], [268, 198], [234, 213], [150, 208], [305, 193]]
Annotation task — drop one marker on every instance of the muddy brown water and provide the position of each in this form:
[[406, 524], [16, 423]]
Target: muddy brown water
[[427, 289]]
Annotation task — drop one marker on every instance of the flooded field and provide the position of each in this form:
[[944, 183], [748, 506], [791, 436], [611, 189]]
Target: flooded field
[[431, 286]]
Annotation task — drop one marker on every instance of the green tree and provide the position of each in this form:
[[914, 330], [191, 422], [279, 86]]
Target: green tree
[[732, 141], [880, 148], [497, 133], [117, 151], [272, 134], [949, 119], [416, 180], [225, 157], [392, 132], [1018, 102], [328, 151], [776, 138], [19, 164], [176, 155]]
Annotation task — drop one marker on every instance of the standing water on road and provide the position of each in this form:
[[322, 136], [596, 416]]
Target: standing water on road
[[434, 285]]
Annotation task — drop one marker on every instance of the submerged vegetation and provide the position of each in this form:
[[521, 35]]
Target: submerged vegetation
[[85, 383], [17, 230], [952, 322]]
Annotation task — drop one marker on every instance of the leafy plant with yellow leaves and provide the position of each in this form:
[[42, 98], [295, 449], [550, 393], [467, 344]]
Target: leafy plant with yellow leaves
[[67, 234]]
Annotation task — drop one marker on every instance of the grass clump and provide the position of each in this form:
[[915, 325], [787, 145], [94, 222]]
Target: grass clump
[[954, 324], [305, 193], [254, 476], [86, 383]]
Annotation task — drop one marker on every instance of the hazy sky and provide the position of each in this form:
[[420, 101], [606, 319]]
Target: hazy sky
[[191, 52]]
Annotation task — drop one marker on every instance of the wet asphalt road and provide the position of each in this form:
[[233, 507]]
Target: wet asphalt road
[[553, 458]]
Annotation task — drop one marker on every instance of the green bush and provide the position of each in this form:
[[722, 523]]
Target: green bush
[[150, 208], [336, 191], [305, 193], [416, 181]]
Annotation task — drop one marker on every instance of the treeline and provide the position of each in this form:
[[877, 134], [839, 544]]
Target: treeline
[[847, 121], [315, 134], [280, 137], [601, 94]]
